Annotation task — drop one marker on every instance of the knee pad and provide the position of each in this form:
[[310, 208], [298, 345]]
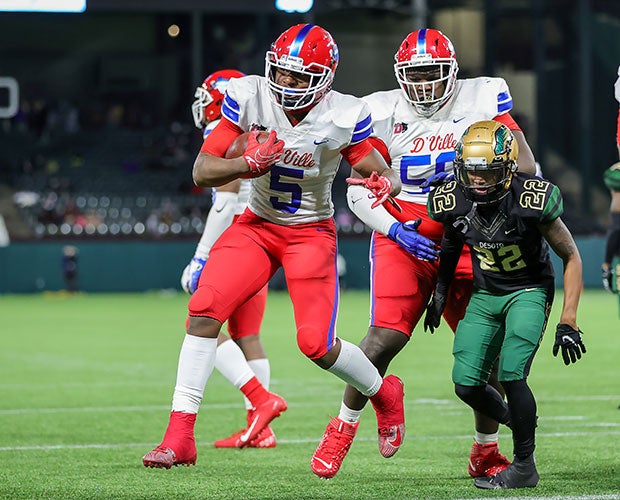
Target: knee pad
[[467, 393], [201, 301], [312, 343]]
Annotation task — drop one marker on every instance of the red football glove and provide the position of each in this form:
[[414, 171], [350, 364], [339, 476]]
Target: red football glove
[[379, 186], [260, 157]]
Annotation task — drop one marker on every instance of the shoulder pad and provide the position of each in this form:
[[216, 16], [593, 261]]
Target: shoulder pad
[[238, 93], [540, 196], [382, 103], [347, 110], [443, 201]]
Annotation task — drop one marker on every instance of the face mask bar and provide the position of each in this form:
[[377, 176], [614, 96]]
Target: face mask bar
[[289, 99], [203, 99], [423, 94]]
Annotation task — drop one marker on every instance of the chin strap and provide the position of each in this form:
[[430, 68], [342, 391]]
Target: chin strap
[[461, 224]]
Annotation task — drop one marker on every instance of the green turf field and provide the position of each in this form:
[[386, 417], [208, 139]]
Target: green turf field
[[86, 383]]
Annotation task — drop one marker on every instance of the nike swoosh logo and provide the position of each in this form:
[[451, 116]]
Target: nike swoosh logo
[[397, 440], [223, 207], [508, 231], [473, 467], [529, 289], [246, 435], [322, 141], [567, 339], [327, 465], [456, 120]]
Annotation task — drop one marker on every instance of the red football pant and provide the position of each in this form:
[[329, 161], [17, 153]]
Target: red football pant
[[248, 254]]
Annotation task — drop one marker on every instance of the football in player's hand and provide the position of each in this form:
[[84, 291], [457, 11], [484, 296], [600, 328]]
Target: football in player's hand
[[237, 148]]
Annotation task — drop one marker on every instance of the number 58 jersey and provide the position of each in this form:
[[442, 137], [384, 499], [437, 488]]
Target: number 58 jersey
[[422, 146], [508, 250]]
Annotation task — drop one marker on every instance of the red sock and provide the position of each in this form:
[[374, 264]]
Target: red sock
[[382, 395], [180, 427], [255, 392]]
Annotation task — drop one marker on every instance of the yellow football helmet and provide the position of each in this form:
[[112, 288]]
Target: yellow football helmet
[[485, 161]]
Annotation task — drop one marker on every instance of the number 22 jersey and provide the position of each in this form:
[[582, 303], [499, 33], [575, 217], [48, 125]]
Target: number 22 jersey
[[507, 247]]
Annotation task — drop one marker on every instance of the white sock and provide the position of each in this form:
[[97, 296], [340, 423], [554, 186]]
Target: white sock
[[196, 362], [481, 438], [262, 370], [355, 368], [348, 415], [231, 363]]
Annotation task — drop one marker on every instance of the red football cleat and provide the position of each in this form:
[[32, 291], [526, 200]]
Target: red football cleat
[[390, 411], [262, 417], [485, 460], [332, 449], [265, 439], [178, 446]]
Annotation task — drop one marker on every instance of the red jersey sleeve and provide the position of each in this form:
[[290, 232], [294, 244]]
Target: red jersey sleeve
[[220, 138], [507, 120], [356, 152]]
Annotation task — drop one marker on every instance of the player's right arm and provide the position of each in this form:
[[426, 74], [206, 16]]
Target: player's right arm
[[211, 169]]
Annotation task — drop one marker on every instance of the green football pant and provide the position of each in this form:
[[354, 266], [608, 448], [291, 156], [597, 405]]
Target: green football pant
[[510, 326]]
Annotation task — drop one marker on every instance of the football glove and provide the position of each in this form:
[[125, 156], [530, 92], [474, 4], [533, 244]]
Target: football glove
[[434, 310], [379, 186], [607, 277], [407, 236], [569, 339], [261, 156], [438, 179], [191, 274]]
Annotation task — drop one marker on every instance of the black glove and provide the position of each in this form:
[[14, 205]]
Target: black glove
[[606, 275], [570, 341], [434, 309]]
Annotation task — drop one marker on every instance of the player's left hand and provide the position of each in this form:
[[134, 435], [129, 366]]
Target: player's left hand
[[438, 179], [434, 310], [379, 186], [569, 339], [407, 236], [191, 274]]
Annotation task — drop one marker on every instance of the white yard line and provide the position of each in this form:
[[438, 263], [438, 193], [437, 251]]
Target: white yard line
[[287, 441]]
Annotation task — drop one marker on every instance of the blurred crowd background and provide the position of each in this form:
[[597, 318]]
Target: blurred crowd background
[[102, 143]]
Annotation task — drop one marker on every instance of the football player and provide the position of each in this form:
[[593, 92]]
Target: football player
[[610, 268], [416, 128], [244, 359], [506, 219], [288, 223]]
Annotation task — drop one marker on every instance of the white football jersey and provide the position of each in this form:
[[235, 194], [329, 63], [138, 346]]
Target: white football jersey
[[244, 188], [422, 146], [298, 188]]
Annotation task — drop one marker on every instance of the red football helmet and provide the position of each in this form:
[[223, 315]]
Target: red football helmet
[[426, 69], [308, 51], [210, 95]]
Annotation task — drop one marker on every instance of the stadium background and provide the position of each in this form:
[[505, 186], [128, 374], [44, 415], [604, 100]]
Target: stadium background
[[99, 153]]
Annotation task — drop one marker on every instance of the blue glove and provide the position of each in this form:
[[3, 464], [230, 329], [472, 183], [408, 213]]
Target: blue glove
[[407, 236], [191, 274], [438, 179]]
